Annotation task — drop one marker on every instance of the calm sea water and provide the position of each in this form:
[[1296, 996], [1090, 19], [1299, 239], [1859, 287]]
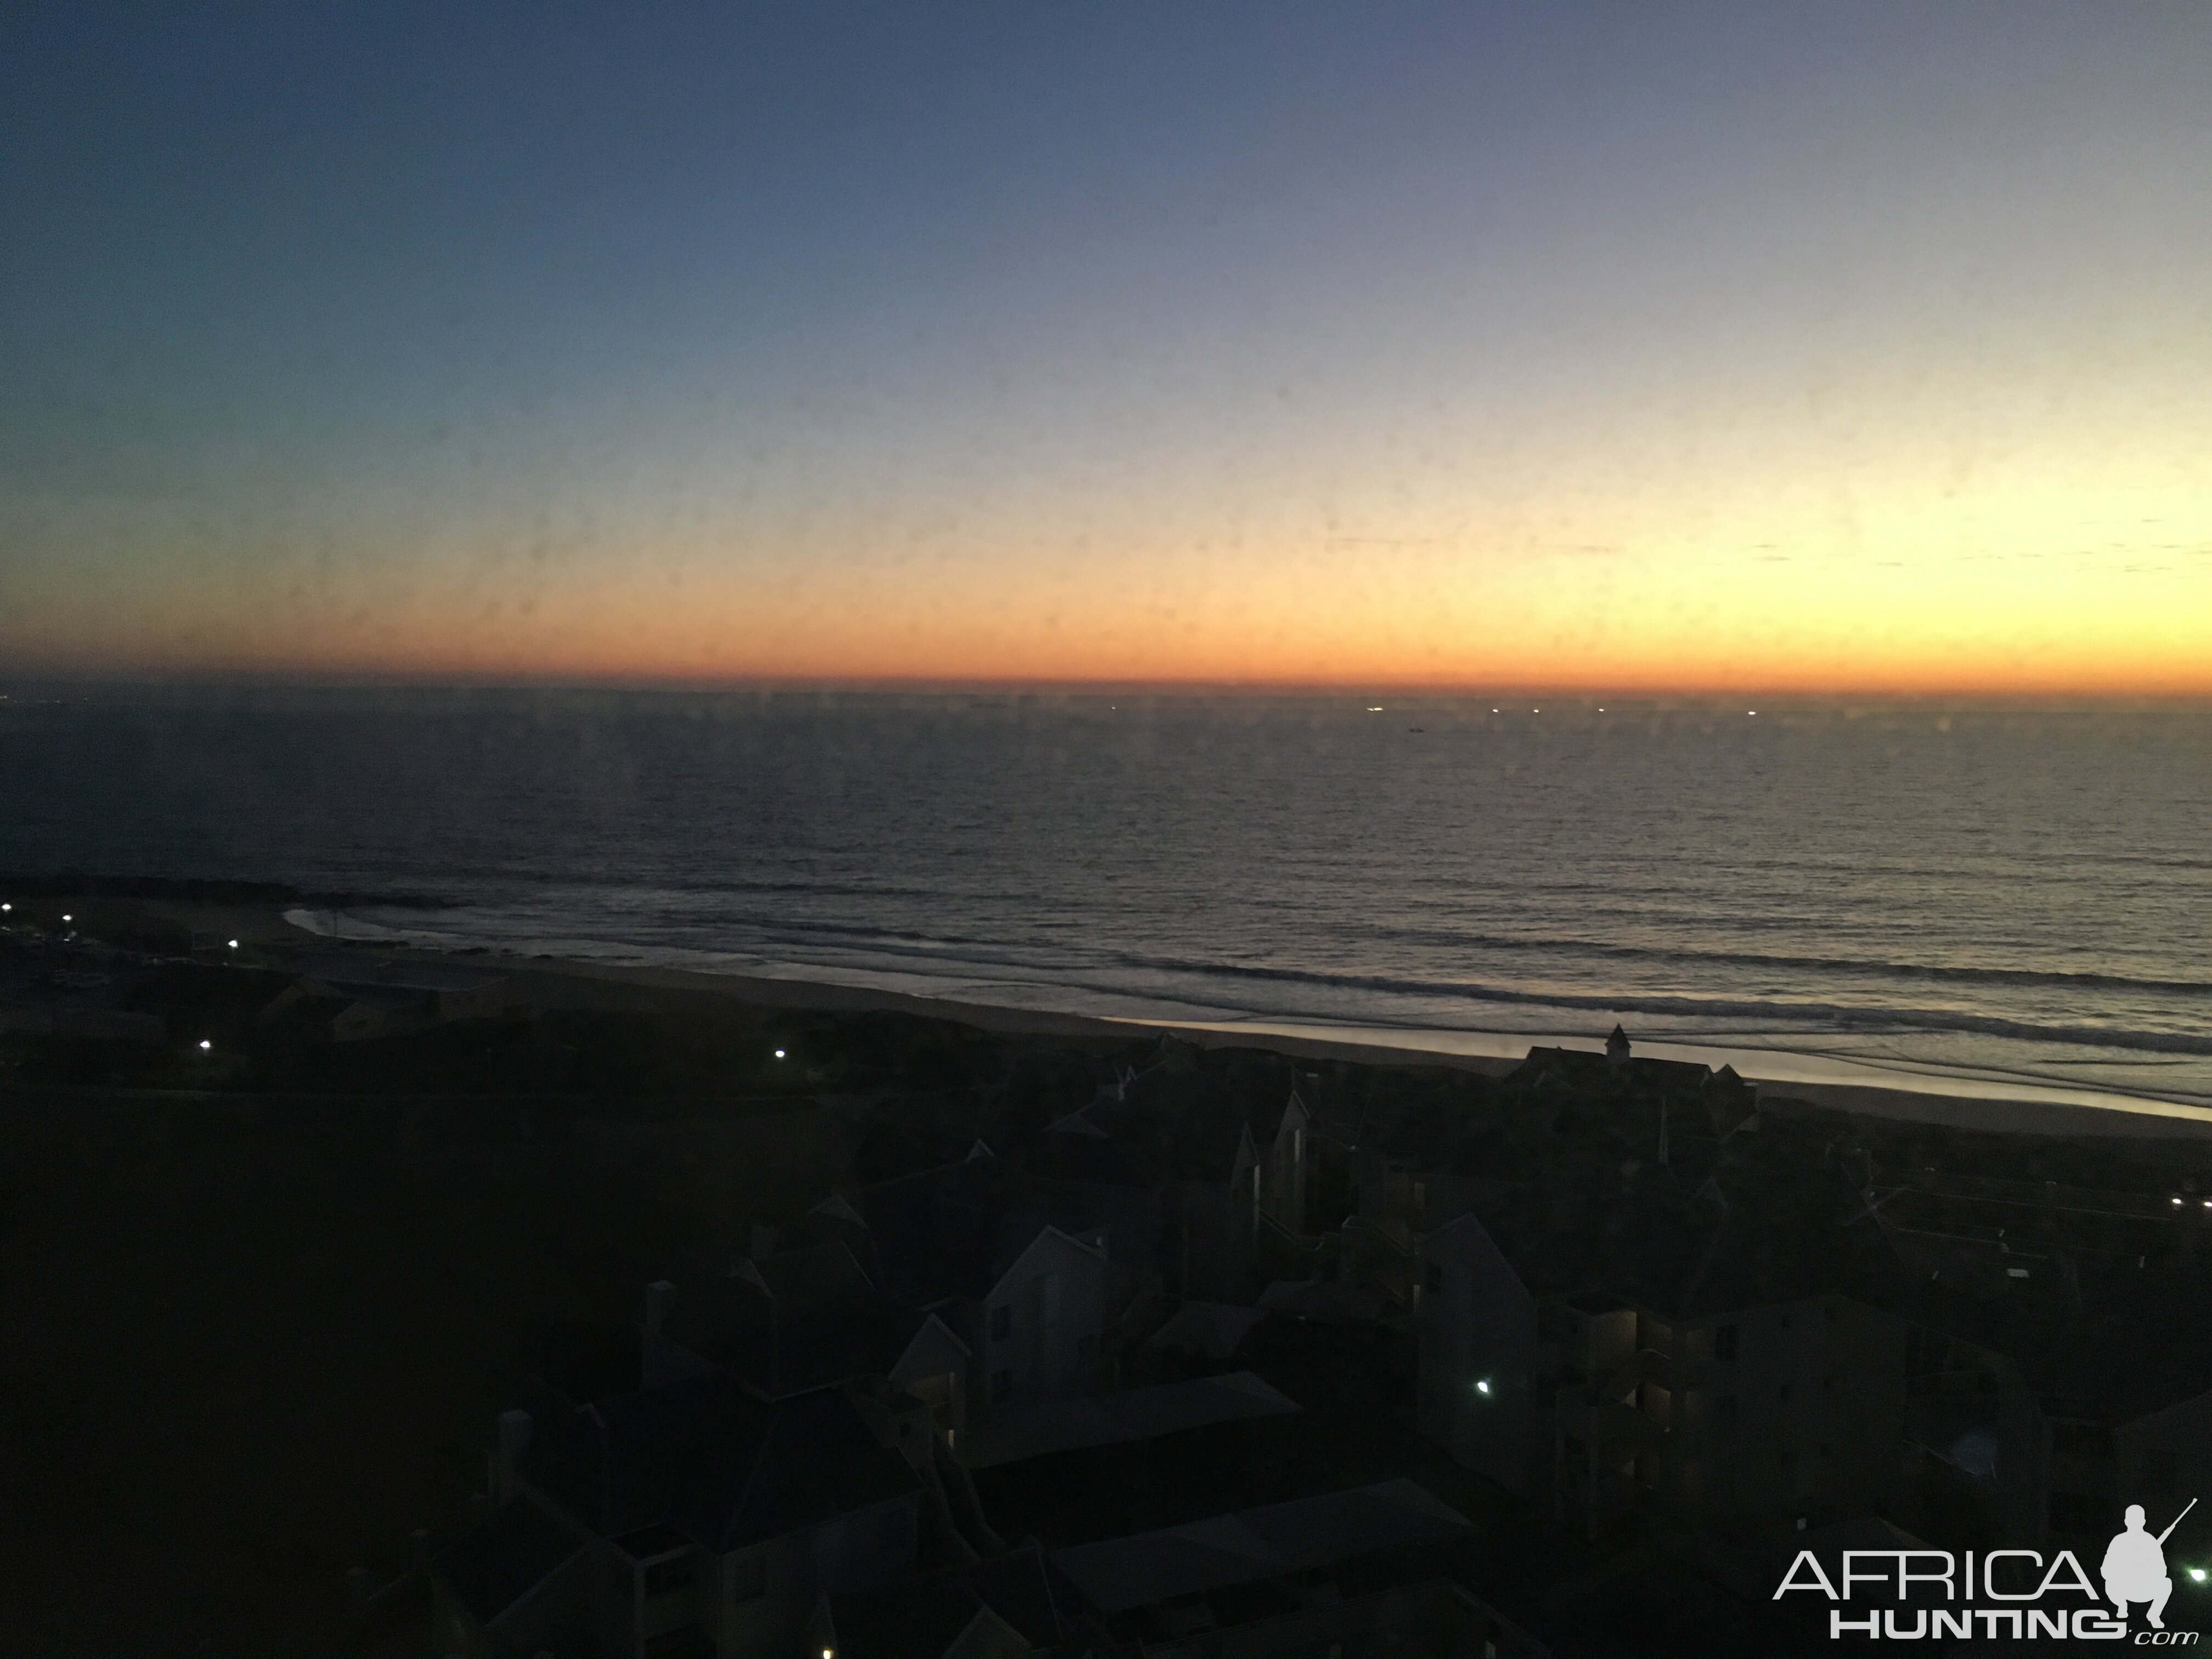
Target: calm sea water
[[2009, 896]]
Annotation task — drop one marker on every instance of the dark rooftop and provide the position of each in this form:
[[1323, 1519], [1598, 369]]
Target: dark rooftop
[[1147, 1569], [496, 1565], [954, 1231]]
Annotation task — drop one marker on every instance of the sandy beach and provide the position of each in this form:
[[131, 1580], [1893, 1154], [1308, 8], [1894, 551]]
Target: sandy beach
[[276, 937]]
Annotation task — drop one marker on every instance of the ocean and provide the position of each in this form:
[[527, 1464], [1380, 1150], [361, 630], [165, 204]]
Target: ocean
[[1987, 899]]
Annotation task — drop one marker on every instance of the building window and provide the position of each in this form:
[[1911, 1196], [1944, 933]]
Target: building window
[[1723, 1342], [1002, 1387], [667, 1577], [749, 1577], [1002, 1323]]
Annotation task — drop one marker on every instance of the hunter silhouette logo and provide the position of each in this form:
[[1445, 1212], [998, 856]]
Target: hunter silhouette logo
[[2135, 1566]]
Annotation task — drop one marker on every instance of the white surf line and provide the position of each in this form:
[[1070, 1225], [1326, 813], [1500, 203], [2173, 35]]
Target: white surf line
[[1775, 1066]]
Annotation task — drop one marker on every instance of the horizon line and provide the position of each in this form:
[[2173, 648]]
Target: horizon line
[[1452, 691]]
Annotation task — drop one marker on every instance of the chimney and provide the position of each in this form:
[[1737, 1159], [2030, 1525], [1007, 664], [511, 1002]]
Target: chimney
[[513, 1436], [659, 1297]]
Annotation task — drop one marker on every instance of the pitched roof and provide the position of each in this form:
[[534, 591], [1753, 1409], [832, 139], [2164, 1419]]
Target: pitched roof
[[954, 1231], [1145, 1569], [1132, 1415], [924, 1617], [784, 1324], [494, 1565], [1212, 1330]]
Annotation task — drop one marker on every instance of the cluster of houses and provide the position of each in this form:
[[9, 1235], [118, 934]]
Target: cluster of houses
[[1643, 1306]]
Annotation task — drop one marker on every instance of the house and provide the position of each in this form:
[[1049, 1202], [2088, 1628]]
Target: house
[[690, 1519], [1719, 1102], [1305, 1175], [1721, 1362], [1017, 1275], [2041, 1406], [1185, 1160], [786, 1324]]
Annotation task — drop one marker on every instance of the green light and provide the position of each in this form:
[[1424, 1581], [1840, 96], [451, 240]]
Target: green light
[[2197, 1573]]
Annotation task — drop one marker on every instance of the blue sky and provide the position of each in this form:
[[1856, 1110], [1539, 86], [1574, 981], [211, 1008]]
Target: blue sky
[[328, 321]]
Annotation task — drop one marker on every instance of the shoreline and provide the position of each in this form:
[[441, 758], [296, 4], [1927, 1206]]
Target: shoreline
[[272, 939]]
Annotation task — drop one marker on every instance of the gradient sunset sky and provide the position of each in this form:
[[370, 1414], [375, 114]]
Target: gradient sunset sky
[[1860, 346]]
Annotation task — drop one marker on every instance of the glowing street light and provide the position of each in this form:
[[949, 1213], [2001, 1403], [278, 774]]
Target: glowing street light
[[233, 945], [2196, 1573], [205, 1045], [779, 1054], [1482, 1386], [69, 918]]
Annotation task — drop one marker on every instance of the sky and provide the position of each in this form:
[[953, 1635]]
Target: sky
[[1859, 346]]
